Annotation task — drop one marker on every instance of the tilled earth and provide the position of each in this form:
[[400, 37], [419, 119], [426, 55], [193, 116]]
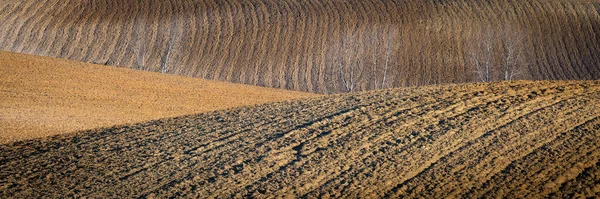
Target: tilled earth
[[517, 139]]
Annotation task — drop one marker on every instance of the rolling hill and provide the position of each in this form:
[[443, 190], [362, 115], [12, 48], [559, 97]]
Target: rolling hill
[[313, 45], [42, 96], [509, 139]]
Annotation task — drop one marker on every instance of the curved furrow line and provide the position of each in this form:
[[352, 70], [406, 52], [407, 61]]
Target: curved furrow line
[[553, 21], [275, 44], [108, 47], [319, 60], [346, 129], [228, 32], [116, 46], [92, 34], [356, 145], [286, 135], [241, 28], [570, 18], [40, 33], [6, 10], [80, 27], [594, 29], [362, 34], [263, 21], [184, 31], [188, 38], [203, 54], [452, 174], [589, 27], [526, 9], [541, 168], [25, 22], [52, 48], [586, 184], [152, 42], [297, 62], [169, 142], [306, 75], [29, 27], [213, 73], [452, 141], [100, 32], [329, 40], [174, 34], [11, 23], [121, 38], [288, 30], [251, 13], [543, 35], [419, 143], [581, 51], [361, 146], [72, 33], [130, 40], [89, 28], [204, 156]]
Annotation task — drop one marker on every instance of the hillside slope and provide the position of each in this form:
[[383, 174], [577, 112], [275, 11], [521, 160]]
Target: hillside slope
[[527, 139], [42, 96], [312, 45]]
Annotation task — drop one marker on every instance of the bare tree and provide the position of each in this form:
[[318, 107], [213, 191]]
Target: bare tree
[[513, 47], [374, 70], [387, 43], [347, 69], [164, 68], [374, 56], [388, 52], [497, 53], [140, 51], [481, 56], [352, 67]]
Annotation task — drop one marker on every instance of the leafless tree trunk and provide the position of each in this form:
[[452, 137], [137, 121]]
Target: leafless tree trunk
[[388, 52], [374, 70], [374, 56], [497, 53], [164, 65], [512, 46], [140, 49], [353, 66], [481, 55]]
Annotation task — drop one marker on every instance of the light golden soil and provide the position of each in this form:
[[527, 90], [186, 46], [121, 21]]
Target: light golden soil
[[44, 96], [517, 139]]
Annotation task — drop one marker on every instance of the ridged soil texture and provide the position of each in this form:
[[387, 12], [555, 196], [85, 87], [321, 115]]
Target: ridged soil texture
[[313, 45], [510, 140]]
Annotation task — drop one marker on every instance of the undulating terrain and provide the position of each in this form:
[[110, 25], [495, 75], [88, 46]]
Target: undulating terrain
[[42, 96], [510, 139], [315, 45]]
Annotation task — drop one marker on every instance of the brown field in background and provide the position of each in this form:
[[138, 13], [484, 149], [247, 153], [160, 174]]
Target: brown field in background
[[42, 96], [304, 44], [509, 140]]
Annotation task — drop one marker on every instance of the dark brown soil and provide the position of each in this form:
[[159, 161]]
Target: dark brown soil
[[517, 139]]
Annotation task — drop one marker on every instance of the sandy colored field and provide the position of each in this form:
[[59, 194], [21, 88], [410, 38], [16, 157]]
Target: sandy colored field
[[501, 140], [305, 44], [45, 96]]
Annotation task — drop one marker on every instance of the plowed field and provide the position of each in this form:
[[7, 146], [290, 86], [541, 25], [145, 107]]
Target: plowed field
[[515, 139], [305, 45]]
